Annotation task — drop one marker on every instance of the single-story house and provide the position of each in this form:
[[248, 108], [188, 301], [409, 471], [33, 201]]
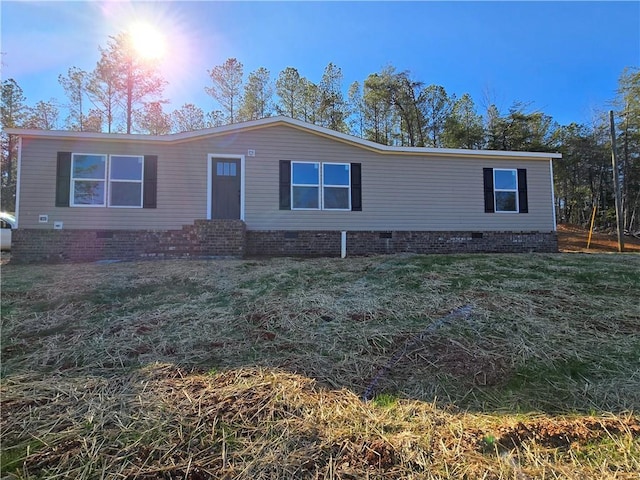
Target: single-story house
[[274, 186]]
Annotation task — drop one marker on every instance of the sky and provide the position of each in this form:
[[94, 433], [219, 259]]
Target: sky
[[561, 58]]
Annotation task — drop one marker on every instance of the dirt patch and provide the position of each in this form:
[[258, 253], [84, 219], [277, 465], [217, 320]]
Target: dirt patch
[[377, 454], [473, 363], [574, 238]]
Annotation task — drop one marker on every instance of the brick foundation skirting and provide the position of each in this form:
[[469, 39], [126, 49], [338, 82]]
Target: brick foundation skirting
[[217, 238], [327, 243], [229, 238]]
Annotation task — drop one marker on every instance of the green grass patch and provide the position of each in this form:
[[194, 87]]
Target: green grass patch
[[385, 400], [12, 457]]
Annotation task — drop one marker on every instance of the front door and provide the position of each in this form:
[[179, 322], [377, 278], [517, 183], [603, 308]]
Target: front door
[[225, 188]]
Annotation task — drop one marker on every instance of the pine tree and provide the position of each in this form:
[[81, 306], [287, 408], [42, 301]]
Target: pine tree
[[463, 127], [122, 76], [13, 111], [75, 86], [258, 93], [43, 116], [332, 109], [227, 87], [290, 91], [187, 118]]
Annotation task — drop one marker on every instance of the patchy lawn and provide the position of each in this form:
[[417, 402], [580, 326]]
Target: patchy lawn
[[257, 368]]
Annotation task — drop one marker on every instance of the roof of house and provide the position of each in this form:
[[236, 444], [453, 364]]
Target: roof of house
[[270, 122]]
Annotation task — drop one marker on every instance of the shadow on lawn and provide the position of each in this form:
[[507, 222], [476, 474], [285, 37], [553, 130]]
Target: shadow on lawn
[[529, 341]]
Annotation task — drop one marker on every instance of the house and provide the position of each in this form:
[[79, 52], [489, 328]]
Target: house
[[275, 186]]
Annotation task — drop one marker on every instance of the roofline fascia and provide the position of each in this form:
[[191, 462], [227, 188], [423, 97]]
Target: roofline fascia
[[276, 121]]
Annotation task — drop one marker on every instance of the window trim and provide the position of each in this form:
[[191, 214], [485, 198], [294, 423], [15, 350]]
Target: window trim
[[73, 180], [107, 180], [318, 185], [347, 187], [515, 191], [141, 182], [321, 185]]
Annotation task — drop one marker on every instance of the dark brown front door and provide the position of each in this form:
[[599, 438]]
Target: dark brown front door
[[225, 195]]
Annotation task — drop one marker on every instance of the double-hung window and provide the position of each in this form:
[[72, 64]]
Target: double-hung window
[[101, 180], [320, 186], [125, 181], [505, 190], [305, 185], [336, 181], [88, 180], [505, 184]]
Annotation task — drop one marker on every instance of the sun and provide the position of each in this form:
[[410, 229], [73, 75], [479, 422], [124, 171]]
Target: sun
[[148, 41]]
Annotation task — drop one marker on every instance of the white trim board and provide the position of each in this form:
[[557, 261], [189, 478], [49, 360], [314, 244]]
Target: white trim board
[[275, 121], [210, 159]]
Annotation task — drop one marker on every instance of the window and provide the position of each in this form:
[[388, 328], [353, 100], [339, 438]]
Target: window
[[125, 181], [97, 180], [505, 185], [305, 186], [313, 188], [88, 180], [226, 169], [316, 186], [335, 186], [505, 190]]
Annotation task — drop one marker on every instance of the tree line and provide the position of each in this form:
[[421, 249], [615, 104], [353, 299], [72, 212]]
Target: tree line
[[124, 93]]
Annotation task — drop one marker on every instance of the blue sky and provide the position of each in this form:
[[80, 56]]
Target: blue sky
[[563, 58]]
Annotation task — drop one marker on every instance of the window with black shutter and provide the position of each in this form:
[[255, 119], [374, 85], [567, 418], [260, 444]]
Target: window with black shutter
[[320, 186], [505, 190], [100, 180]]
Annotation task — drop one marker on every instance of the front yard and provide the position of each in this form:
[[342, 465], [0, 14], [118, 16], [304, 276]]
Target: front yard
[[257, 368]]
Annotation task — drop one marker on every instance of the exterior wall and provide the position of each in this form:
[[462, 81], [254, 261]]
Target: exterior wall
[[181, 198], [217, 238], [400, 192], [327, 243]]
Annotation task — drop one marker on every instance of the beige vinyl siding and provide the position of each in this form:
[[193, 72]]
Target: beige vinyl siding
[[181, 197], [399, 191]]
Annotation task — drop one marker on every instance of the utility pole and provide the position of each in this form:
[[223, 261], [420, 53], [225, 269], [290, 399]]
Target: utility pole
[[616, 184]]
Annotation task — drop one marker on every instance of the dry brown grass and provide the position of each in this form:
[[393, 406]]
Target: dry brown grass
[[161, 422], [256, 368]]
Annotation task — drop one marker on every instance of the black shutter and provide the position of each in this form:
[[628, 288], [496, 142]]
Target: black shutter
[[522, 190], [356, 187], [488, 190], [285, 185], [150, 181], [63, 179]]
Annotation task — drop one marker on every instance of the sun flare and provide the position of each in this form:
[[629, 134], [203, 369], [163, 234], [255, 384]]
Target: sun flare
[[148, 41]]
